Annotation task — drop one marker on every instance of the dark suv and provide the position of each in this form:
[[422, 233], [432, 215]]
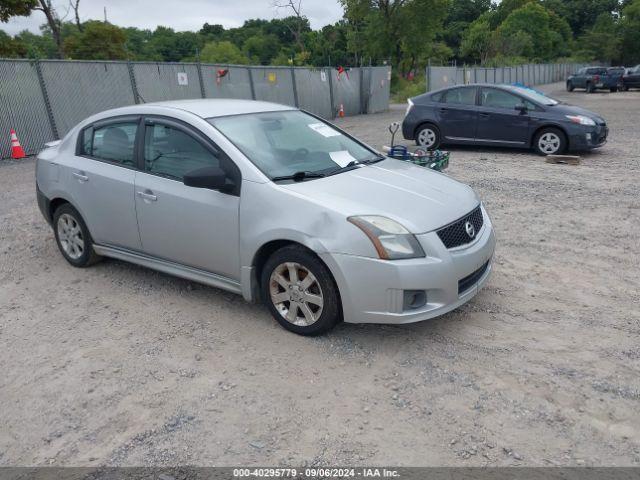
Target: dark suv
[[631, 79], [501, 115]]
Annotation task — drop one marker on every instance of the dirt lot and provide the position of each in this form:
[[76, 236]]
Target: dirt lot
[[120, 365]]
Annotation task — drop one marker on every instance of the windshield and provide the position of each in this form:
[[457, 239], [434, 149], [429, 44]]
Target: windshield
[[286, 143], [536, 96]]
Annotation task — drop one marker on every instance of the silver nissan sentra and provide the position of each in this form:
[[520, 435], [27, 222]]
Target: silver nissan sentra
[[269, 202]]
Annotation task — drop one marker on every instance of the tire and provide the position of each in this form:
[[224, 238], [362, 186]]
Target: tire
[[285, 276], [428, 136], [73, 237], [550, 141], [570, 87], [613, 89], [590, 87]]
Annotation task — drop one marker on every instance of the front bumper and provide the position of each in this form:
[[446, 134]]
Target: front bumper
[[373, 290], [587, 138]]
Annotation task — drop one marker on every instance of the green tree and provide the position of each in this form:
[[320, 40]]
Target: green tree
[[16, 8], [602, 41], [581, 15], [223, 52], [10, 47], [97, 41], [534, 20], [476, 41], [37, 46], [261, 48], [630, 33]]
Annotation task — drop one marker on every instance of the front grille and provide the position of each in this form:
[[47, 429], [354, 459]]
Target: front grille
[[469, 281], [455, 234]]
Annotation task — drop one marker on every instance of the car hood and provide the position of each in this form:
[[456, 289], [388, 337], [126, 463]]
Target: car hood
[[419, 198], [566, 109]]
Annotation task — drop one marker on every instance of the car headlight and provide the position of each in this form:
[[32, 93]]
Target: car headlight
[[581, 119], [409, 107], [391, 240]]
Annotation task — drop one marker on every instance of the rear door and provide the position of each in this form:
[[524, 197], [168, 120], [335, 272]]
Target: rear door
[[457, 114], [191, 226], [498, 120], [101, 180]]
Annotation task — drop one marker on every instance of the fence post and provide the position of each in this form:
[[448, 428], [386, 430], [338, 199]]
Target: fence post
[[253, 88], [331, 99], [47, 103], [295, 88], [428, 79], [134, 86], [201, 80]]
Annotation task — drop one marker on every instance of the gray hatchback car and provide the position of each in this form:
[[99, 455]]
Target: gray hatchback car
[[269, 202], [504, 116]]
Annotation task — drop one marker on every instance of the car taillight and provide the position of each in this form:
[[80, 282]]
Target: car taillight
[[409, 107]]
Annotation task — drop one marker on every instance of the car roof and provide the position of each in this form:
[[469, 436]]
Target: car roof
[[218, 107]]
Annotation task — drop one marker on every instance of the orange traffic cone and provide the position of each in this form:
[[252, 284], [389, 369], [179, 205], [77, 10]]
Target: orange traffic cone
[[16, 149], [341, 111]]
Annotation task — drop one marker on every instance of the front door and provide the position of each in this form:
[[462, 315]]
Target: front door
[[499, 122], [102, 175], [192, 226], [457, 114]]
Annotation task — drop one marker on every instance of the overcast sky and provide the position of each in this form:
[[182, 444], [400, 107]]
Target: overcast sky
[[180, 14]]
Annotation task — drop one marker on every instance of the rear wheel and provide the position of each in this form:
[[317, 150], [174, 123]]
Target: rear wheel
[[300, 292], [73, 237], [570, 86], [550, 141], [428, 136]]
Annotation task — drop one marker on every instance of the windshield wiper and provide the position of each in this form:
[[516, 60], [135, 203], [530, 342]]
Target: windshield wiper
[[298, 176], [376, 159]]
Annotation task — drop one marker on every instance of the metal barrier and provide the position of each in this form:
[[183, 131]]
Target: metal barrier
[[529, 74], [44, 99], [23, 106]]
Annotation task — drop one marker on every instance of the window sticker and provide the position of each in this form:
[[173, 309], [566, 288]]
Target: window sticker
[[324, 129], [342, 157]]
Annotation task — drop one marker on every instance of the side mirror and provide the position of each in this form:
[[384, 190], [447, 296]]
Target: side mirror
[[522, 108], [212, 178]]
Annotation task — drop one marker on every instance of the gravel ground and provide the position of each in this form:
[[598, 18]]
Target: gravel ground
[[120, 365]]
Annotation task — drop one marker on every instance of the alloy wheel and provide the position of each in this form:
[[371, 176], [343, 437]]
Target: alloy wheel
[[426, 137], [296, 294], [70, 236], [549, 143]]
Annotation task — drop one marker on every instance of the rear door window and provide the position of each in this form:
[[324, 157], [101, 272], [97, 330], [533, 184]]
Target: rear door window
[[114, 142], [460, 96]]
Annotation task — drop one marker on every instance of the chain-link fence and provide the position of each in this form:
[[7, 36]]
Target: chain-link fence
[[530, 74], [42, 100]]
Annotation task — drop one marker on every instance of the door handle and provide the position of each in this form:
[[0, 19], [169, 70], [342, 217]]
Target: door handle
[[81, 176], [484, 114], [442, 109], [147, 196]]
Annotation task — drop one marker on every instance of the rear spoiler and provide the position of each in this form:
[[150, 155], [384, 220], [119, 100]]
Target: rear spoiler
[[55, 143]]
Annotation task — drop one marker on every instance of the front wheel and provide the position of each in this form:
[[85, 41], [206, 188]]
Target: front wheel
[[300, 292], [570, 87], [428, 136], [550, 141]]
